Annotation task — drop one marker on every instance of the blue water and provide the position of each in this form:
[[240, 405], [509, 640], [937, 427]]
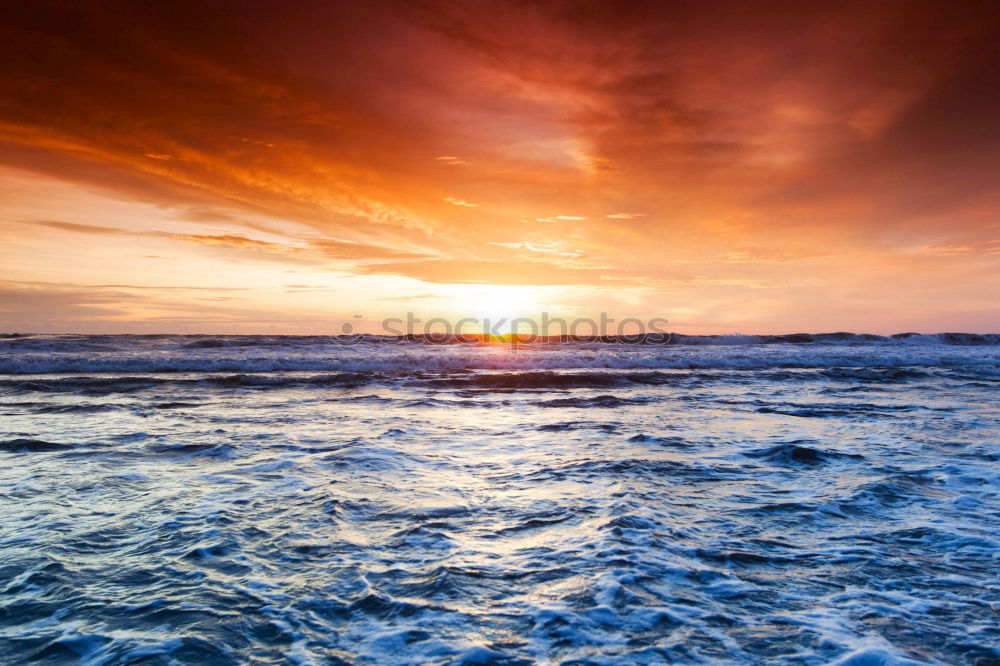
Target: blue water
[[298, 501]]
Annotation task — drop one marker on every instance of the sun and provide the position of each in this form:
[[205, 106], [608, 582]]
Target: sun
[[491, 304]]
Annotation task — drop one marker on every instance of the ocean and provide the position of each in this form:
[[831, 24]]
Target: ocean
[[300, 500]]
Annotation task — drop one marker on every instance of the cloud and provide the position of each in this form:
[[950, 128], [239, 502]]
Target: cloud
[[447, 271], [247, 136], [39, 307], [452, 160], [560, 218], [338, 249], [403, 299], [310, 246], [760, 141], [29, 309], [315, 248], [237, 241], [989, 248], [25, 285], [553, 249], [767, 255], [459, 202], [79, 228]]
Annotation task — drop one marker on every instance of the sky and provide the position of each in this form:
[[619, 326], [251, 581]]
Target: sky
[[286, 167]]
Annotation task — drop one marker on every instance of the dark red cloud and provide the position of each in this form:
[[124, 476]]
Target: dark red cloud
[[292, 108]]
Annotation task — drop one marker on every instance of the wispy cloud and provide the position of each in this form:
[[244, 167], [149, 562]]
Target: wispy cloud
[[460, 202], [239, 242], [403, 299], [990, 248], [450, 271], [560, 218], [552, 249], [452, 160], [325, 248], [80, 228], [624, 216], [300, 247], [340, 249], [35, 284]]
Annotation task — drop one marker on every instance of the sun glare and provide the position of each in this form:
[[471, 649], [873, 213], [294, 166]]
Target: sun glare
[[499, 302]]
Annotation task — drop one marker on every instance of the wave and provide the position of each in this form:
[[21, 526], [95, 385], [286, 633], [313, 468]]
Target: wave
[[468, 387], [605, 401], [46, 342], [874, 362], [797, 453], [23, 445], [107, 385]]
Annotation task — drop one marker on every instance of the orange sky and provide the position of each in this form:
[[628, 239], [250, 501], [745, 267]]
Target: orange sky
[[756, 167]]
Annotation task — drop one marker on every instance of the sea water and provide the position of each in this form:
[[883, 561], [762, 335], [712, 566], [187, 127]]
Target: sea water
[[192, 499]]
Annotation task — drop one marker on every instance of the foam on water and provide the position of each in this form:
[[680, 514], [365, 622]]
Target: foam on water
[[296, 500]]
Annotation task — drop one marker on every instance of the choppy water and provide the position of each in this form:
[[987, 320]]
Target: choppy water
[[292, 500]]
